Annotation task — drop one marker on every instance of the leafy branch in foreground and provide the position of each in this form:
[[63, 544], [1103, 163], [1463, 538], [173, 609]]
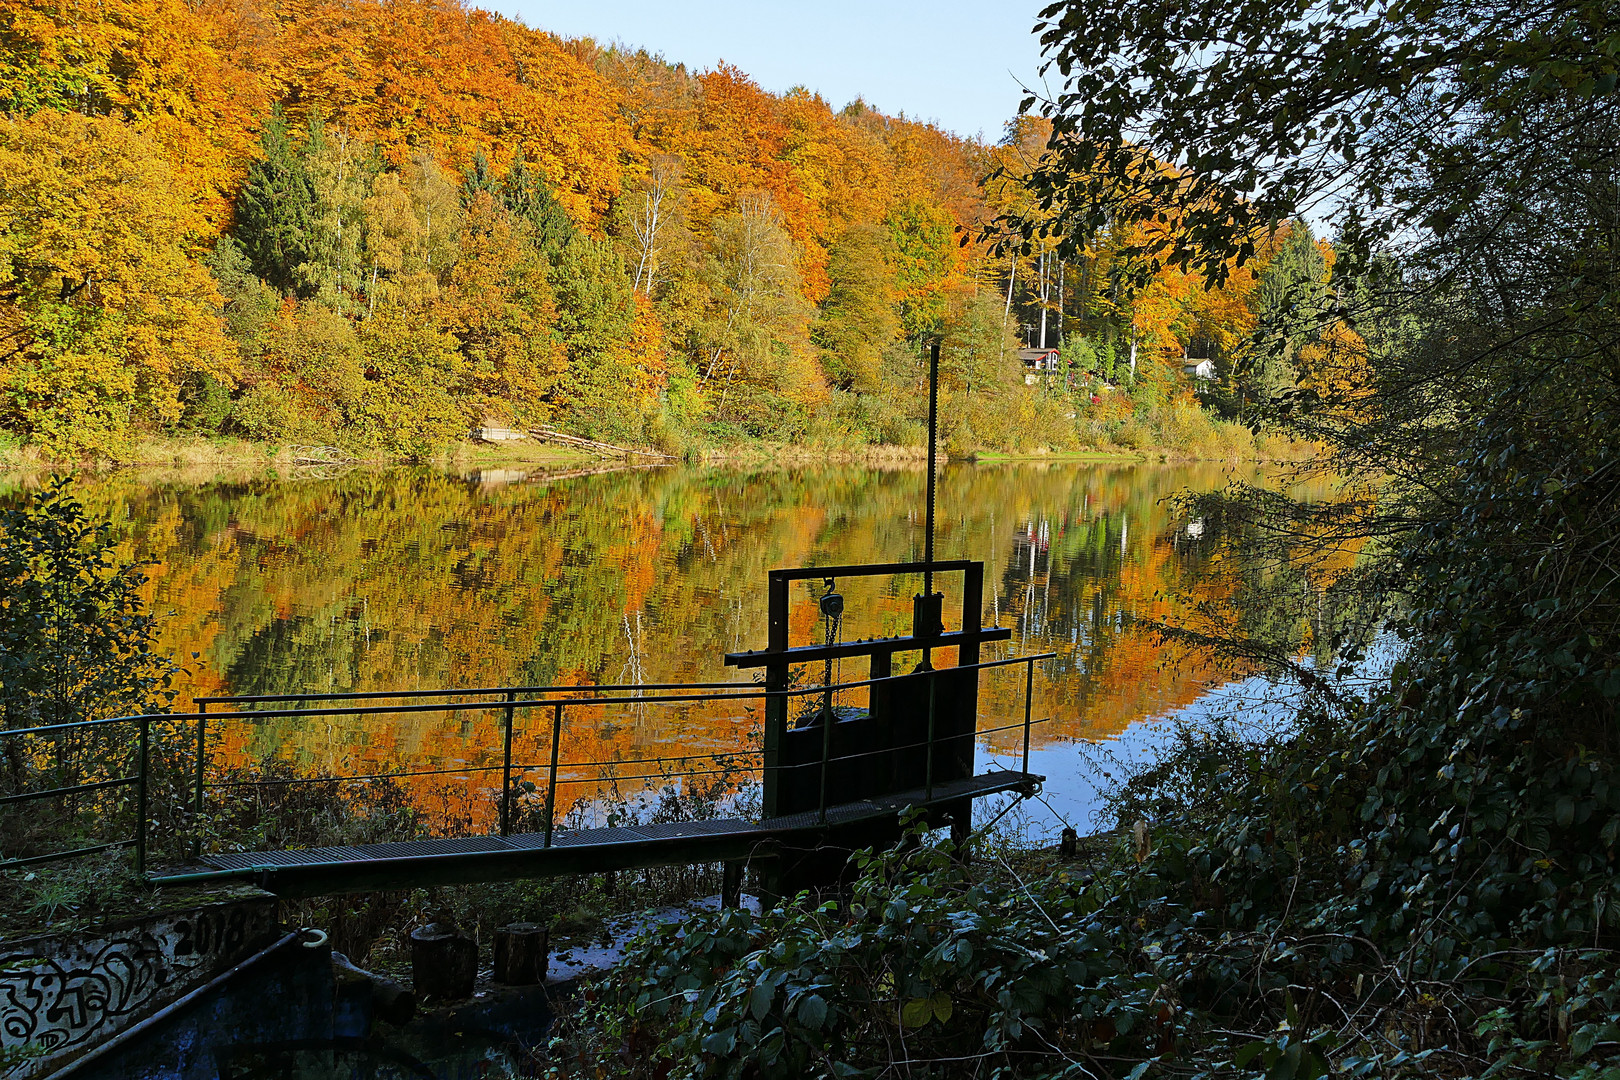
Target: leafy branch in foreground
[[76, 644], [1272, 921], [75, 636]]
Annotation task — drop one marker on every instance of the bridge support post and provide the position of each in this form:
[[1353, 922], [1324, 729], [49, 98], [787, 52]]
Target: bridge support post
[[521, 954], [506, 769], [551, 774], [444, 962], [202, 763]]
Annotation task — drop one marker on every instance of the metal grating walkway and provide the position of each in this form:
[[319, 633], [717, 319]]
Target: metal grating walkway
[[311, 871]]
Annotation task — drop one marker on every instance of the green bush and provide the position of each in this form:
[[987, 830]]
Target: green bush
[[76, 644], [928, 966]]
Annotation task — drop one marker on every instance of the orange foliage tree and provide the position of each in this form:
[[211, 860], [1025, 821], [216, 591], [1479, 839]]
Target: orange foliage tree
[[787, 259]]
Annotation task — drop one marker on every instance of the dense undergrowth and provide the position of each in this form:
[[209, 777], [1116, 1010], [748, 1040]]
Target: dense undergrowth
[[1419, 883], [1391, 890]]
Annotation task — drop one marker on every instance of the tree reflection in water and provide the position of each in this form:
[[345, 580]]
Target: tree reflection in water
[[409, 578]]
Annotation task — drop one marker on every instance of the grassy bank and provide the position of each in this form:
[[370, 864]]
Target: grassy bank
[[182, 452], [1218, 442]]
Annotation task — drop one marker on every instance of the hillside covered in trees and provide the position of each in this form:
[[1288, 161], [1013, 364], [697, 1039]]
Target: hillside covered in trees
[[381, 225]]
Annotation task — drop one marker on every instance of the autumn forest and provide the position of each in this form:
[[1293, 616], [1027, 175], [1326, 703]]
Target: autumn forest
[[380, 226]]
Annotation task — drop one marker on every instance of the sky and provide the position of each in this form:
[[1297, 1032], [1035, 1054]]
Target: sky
[[957, 63]]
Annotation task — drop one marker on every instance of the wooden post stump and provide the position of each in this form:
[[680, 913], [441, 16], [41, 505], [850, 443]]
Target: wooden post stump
[[521, 954], [731, 885], [444, 963], [1069, 845]]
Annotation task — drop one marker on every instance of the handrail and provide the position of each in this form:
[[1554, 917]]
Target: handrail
[[747, 692], [74, 725], [583, 696], [287, 781], [358, 695], [72, 789]]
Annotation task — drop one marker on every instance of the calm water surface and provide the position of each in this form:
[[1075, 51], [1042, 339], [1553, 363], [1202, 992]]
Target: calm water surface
[[406, 579]]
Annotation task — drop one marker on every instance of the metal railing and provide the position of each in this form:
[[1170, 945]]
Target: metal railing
[[508, 701], [138, 780]]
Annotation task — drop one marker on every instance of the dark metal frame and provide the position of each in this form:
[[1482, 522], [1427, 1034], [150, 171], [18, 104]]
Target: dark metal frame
[[505, 700], [927, 635], [777, 659]]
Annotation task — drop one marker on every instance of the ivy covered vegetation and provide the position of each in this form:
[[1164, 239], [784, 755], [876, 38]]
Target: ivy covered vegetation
[[1420, 882]]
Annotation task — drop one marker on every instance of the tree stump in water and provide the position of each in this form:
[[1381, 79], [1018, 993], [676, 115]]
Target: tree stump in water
[[444, 963], [521, 954]]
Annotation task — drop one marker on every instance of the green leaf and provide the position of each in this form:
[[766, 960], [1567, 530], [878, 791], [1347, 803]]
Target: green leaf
[[812, 1011], [721, 1043], [917, 1012], [759, 1000], [941, 1005], [1247, 1052], [1287, 1066]]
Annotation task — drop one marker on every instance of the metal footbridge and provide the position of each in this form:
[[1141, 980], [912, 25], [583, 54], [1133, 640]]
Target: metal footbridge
[[828, 779], [468, 859]]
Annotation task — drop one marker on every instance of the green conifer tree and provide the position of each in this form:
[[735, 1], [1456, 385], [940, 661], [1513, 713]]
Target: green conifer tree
[[528, 196], [476, 177], [274, 213], [1290, 301]]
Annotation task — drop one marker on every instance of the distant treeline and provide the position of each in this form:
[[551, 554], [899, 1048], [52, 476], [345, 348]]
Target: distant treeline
[[381, 225]]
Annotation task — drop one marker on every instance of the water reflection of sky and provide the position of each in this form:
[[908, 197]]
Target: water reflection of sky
[[1080, 773]]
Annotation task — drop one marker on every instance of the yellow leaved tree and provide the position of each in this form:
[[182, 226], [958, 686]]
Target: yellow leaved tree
[[108, 320]]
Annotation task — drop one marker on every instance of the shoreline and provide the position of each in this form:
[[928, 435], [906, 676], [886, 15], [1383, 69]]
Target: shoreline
[[240, 455]]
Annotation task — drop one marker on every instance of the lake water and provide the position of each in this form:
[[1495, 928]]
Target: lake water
[[414, 578]]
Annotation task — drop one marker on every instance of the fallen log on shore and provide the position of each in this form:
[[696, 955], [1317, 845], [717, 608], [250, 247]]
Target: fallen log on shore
[[565, 439]]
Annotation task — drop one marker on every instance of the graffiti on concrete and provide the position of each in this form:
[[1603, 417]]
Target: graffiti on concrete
[[62, 995]]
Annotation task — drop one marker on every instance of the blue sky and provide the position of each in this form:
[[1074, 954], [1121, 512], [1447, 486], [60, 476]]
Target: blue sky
[[950, 61]]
